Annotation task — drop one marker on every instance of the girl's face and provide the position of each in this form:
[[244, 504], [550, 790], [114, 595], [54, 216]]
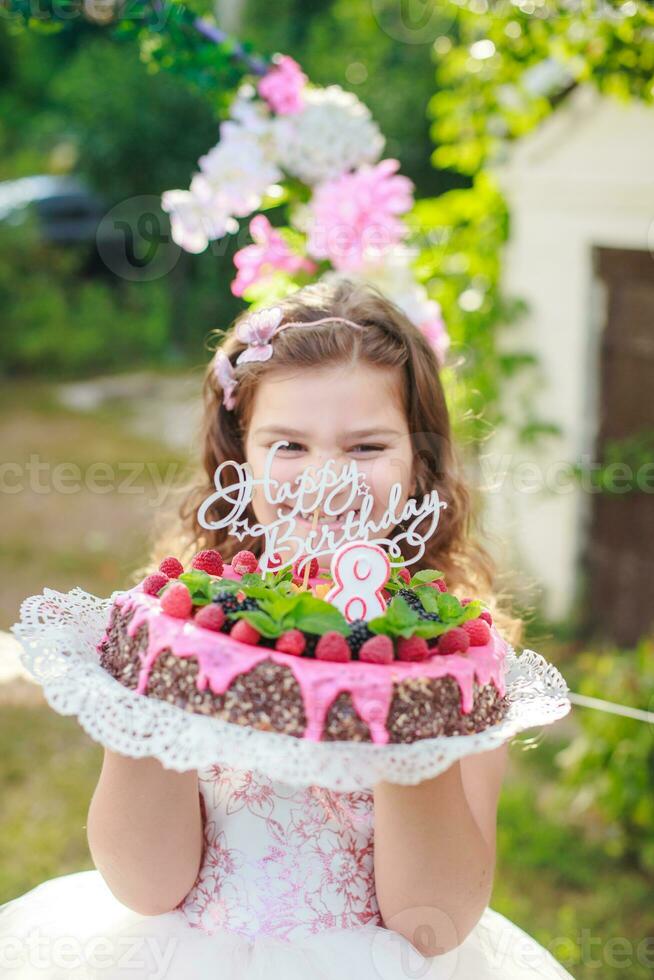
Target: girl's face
[[341, 413]]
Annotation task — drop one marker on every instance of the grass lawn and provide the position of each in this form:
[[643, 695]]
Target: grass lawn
[[589, 910], [48, 771], [88, 490]]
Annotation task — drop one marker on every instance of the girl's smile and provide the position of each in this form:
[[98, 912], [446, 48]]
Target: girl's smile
[[327, 520]]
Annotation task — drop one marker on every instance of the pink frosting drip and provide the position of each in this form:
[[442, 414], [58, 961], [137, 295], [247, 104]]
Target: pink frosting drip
[[220, 659]]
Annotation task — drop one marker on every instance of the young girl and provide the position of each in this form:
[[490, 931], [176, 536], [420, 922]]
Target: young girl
[[224, 873]]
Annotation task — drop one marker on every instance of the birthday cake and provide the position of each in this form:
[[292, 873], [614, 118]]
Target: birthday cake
[[281, 650]]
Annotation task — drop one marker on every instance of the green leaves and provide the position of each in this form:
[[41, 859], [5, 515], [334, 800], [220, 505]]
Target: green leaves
[[300, 610], [430, 598], [317, 616], [610, 760], [204, 587], [449, 607], [259, 590], [398, 620], [264, 623], [626, 465], [199, 584], [424, 577], [401, 620], [395, 582], [281, 609]]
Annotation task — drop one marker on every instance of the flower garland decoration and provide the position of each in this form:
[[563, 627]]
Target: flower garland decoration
[[318, 149]]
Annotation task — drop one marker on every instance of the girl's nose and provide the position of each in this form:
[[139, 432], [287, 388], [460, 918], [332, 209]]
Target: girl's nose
[[317, 459], [339, 459], [309, 464]]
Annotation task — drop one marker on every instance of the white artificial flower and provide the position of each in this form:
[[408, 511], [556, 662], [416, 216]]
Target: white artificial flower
[[249, 112], [332, 134], [239, 171], [392, 273], [234, 176], [301, 216], [195, 218]]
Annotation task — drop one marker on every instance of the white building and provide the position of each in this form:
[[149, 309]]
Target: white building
[[581, 199]]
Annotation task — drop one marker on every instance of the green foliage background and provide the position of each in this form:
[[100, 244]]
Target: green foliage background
[[607, 771], [139, 121]]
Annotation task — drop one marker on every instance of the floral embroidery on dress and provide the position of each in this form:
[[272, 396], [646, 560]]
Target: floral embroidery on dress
[[281, 860]]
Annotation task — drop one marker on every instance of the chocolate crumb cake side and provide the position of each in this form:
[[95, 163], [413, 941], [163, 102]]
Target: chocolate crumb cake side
[[384, 690]]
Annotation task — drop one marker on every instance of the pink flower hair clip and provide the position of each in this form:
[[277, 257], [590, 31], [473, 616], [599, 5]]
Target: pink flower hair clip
[[224, 373], [257, 331]]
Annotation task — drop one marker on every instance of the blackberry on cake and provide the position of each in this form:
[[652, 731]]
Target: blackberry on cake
[[230, 604], [322, 683], [359, 633], [411, 598], [311, 644]]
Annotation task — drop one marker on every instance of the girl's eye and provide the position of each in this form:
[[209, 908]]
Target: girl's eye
[[291, 447], [370, 449], [294, 447]]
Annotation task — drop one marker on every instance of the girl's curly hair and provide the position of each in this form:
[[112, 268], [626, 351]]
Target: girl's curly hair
[[389, 340]]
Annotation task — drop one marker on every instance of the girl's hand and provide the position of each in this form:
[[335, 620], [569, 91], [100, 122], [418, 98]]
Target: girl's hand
[[145, 832], [434, 851]]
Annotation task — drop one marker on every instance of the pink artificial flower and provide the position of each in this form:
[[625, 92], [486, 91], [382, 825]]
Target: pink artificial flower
[[257, 331], [268, 254], [354, 215], [224, 373], [282, 86]]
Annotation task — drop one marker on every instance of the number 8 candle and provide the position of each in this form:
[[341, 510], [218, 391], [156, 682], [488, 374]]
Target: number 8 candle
[[359, 572]]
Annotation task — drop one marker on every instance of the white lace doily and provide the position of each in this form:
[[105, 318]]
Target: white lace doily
[[59, 631]]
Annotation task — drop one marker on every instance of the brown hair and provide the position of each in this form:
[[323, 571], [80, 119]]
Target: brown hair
[[389, 340]]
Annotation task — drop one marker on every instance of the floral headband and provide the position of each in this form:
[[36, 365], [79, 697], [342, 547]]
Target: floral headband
[[257, 330]]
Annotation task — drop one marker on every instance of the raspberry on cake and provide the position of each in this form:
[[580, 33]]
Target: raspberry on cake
[[243, 631], [333, 646], [211, 617], [478, 631], [243, 562], [455, 640], [270, 655], [154, 583], [412, 648], [172, 567], [377, 650], [292, 641], [300, 568], [176, 600], [209, 561]]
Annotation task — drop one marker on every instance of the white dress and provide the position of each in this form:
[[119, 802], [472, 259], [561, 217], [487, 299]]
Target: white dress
[[285, 892]]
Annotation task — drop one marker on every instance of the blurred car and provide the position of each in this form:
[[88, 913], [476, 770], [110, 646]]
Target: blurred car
[[67, 211], [129, 239]]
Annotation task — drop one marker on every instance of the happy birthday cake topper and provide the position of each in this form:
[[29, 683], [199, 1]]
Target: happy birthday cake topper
[[317, 489]]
